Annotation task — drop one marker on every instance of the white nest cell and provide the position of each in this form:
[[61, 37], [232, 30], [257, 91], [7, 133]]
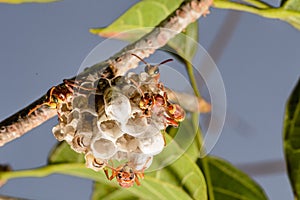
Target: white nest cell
[[150, 130], [70, 131], [58, 133], [103, 148], [117, 105], [74, 114], [129, 90], [72, 126], [135, 125], [140, 161], [120, 156], [110, 129], [127, 143], [157, 120], [80, 102], [80, 142], [131, 76], [88, 113], [93, 163], [152, 145]]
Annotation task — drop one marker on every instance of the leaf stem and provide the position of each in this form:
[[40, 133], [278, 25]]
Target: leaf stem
[[273, 13], [207, 178], [42, 171], [206, 170], [190, 71], [258, 4]]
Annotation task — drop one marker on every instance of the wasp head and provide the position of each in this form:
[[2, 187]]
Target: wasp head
[[126, 176]]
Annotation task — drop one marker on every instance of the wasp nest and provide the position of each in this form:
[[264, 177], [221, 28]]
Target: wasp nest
[[116, 119]]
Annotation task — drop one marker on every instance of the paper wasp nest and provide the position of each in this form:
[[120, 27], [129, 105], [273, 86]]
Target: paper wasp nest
[[107, 120]]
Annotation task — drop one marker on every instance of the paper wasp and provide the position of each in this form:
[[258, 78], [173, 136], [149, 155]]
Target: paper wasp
[[59, 94], [126, 175], [150, 101]]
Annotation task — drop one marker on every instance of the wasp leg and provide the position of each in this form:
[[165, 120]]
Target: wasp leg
[[47, 101]]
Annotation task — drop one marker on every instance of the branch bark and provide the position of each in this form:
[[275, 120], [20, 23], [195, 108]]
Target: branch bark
[[188, 12]]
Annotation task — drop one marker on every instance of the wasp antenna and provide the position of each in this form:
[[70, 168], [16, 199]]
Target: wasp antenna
[[165, 61], [140, 58]]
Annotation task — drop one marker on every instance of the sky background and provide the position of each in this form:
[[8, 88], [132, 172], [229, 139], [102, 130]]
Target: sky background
[[41, 44]]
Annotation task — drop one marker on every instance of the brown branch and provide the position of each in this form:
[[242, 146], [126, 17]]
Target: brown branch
[[189, 11], [189, 102], [20, 123], [10, 198]]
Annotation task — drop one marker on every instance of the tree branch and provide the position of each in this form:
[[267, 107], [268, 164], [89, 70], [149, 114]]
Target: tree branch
[[189, 11]]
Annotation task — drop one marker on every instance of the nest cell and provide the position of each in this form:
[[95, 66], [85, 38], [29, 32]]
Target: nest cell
[[135, 125], [110, 128], [58, 133], [140, 161], [74, 114], [93, 163], [117, 105], [81, 142], [103, 148], [152, 145], [127, 143], [80, 102], [120, 155]]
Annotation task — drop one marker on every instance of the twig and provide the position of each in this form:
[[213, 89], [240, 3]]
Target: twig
[[10, 198], [20, 123], [189, 11], [189, 102]]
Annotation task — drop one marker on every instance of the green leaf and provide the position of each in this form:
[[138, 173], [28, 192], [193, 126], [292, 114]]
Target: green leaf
[[185, 44], [183, 172], [229, 183], [289, 10], [106, 192], [151, 188], [292, 139], [186, 174], [26, 1], [62, 153], [189, 133], [293, 5], [147, 13]]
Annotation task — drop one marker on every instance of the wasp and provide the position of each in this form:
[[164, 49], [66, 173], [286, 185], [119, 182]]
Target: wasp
[[126, 175], [59, 94], [152, 70], [149, 99], [173, 113]]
